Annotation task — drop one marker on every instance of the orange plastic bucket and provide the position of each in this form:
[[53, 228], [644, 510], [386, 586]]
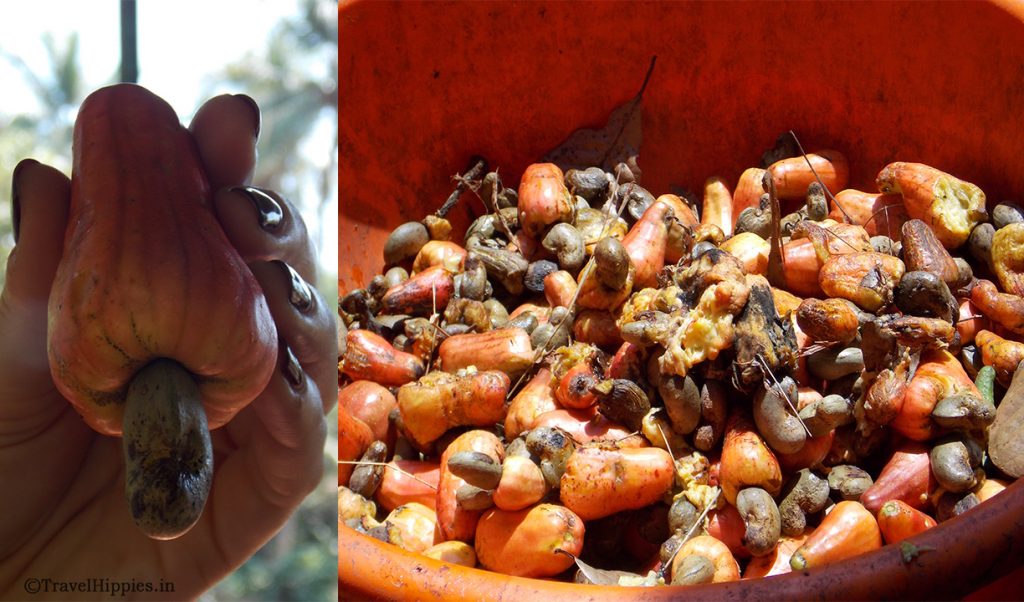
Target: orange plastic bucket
[[425, 86]]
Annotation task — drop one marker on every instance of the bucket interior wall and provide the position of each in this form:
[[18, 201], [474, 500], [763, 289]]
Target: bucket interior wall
[[424, 86]]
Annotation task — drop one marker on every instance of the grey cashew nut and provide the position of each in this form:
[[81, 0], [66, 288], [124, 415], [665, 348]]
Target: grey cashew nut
[[781, 429], [611, 263], [805, 493], [682, 402], [825, 414], [167, 450], [761, 519], [833, 364], [953, 462], [567, 244], [405, 242]]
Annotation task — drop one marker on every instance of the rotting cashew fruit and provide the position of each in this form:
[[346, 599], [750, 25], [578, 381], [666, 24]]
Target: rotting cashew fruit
[[157, 329], [951, 206]]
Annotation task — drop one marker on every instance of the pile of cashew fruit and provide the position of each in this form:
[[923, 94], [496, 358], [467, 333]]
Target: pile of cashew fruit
[[603, 385]]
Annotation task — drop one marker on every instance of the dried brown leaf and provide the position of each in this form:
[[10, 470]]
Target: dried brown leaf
[[617, 142]]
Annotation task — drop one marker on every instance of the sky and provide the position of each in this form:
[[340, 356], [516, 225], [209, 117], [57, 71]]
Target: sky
[[179, 42]]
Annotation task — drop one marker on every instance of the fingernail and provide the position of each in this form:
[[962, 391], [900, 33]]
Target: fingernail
[[299, 294], [292, 369], [16, 195], [270, 213], [255, 111]]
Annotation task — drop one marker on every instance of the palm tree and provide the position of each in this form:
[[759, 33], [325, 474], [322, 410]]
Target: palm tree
[[45, 135], [295, 82]]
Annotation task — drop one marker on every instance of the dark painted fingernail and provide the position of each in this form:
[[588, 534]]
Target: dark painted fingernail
[[16, 196], [299, 294], [292, 369], [255, 111], [270, 213]]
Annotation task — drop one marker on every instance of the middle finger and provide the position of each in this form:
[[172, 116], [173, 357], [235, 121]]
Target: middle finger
[[263, 226]]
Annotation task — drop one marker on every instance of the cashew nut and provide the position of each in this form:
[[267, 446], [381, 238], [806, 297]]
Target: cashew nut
[[404, 242], [761, 518], [833, 363], [367, 477], [682, 401], [953, 462], [805, 493], [780, 428], [566, 243], [167, 450]]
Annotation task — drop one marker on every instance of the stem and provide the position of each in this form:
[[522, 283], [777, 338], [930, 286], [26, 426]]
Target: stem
[[828, 193], [476, 171], [388, 466], [782, 392], [167, 450], [776, 259], [667, 566]]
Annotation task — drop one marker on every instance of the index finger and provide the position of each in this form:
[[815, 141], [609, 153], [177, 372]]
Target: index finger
[[42, 195], [226, 129]]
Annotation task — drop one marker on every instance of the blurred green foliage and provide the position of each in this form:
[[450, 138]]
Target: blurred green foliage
[[294, 79], [300, 562], [44, 136]]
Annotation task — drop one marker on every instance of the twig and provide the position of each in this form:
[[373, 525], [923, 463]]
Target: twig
[[439, 330], [776, 258], [433, 320], [689, 533], [816, 347], [827, 193], [501, 219], [667, 444], [818, 178], [888, 223], [478, 167], [834, 235], [624, 437], [491, 205], [782, 391]]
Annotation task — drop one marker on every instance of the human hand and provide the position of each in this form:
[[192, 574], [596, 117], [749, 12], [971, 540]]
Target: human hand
[[65, 517]]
